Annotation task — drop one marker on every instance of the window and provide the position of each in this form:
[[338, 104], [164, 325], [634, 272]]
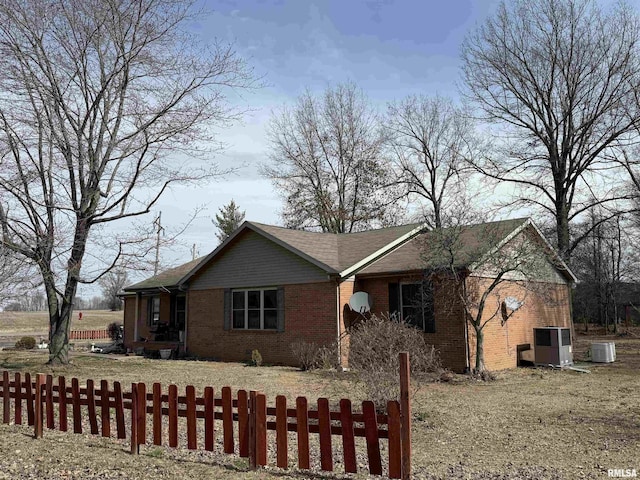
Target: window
[[255, 309], [416, 305], [154, 310]]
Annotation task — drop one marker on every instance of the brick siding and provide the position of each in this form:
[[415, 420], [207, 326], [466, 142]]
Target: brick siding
[[310, 316]]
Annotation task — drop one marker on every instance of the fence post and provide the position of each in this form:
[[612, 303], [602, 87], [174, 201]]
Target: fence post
[[135, 446], [38, 421], [253, 451], [405, 415]]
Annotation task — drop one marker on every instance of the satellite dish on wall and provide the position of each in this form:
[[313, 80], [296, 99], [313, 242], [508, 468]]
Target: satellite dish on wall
[[359, 302], [512, 303]]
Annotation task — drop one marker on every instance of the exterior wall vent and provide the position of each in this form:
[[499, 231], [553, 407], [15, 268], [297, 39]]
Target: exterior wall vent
[[552, 346]]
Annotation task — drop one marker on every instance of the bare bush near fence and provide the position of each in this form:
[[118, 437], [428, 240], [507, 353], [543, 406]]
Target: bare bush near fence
[[373, 357]]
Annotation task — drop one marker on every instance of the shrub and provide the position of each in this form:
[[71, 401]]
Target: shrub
[[256, 358], [327, 357], [306, 354], [373, 357], [26, 343], [115, 331]]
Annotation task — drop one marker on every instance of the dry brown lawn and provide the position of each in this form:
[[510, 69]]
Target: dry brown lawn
[[529, 423], [37, 323]]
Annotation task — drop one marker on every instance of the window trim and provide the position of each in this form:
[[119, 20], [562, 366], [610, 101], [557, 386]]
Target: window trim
[[150, 310], [261, 308]]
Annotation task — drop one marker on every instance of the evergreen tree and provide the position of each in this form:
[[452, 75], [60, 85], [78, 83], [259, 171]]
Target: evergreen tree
[[228, 220]]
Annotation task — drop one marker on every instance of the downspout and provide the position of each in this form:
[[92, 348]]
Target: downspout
[[467, 350], [339, 349]]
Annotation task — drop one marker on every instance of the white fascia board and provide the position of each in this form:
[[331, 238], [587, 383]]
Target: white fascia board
[[378, 253]]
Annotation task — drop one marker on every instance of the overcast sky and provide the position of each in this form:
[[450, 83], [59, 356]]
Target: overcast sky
[[388, 48]]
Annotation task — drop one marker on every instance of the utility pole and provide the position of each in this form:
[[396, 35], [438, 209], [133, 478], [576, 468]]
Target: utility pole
[[160, 229], [194, 252]]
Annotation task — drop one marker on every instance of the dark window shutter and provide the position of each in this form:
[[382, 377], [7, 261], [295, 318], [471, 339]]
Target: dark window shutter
[[227, 309], [281, 309], [394, 301]]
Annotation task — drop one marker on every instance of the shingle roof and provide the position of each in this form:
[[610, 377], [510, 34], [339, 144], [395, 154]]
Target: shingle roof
[[167, 279], [348, 253], [337, 251], [473, 241]]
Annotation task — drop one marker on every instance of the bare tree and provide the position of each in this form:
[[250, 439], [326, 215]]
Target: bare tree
[[112, 284], [482, 266], [228, 220], [95, 97], [430, 141], [562, 78], [326, 161]]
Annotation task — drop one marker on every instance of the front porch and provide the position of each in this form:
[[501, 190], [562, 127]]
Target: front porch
[[155, 346]]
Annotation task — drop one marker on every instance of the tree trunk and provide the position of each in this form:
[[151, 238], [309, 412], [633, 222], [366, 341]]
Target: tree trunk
[[480, 366], [60, 321], [562, 227]]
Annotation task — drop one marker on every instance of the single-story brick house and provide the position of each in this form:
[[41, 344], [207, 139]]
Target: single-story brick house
[[266, 287]]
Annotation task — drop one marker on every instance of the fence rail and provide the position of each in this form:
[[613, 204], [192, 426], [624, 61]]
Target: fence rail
[[89, 334], [104, 406]]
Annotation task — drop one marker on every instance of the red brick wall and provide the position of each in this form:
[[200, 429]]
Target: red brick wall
[[544, 305], [129, 320], [310, 315], [448, 338], [347, 316]]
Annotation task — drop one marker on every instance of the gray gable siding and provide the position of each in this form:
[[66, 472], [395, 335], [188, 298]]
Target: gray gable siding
[[253, 261]]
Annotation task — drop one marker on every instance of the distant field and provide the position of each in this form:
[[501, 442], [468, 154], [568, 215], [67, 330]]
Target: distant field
[[38, 322]]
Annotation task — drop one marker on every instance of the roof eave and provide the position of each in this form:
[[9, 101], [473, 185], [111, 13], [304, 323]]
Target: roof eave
[[353, 269]]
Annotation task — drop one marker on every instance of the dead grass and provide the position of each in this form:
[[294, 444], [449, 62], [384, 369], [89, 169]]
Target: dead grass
[[16, 323], [529, 423]]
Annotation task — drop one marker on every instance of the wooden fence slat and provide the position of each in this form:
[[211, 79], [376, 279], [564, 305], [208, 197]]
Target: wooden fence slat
[[6, 398], [105, 411], [117, 398], [192, 442], [281, 432], [17, 381], [302, 427], [157, 414], [28, 390], [243, 426], [38, 420], [405, 413], [173, 416], [371, 435], [209, 419], [91, 407], [227, 419], [261, 429], [348, 441], [395, 451], [48, 400], [253, 395], [135, 421], [62, 403], [142, 413], [324, 425], [75, 400]]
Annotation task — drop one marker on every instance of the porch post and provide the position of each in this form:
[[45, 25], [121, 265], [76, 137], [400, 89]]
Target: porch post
[[137, 318]]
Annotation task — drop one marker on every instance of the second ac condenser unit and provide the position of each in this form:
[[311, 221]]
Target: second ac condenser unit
[[552, 346]]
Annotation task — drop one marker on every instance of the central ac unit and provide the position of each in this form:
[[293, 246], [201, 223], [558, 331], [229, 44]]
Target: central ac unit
[[552, 346]]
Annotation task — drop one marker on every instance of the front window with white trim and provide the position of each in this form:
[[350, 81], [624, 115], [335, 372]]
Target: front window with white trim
[[255, 309]]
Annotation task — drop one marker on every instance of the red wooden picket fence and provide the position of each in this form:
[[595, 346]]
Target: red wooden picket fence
[[105, 407], [88, 334]]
